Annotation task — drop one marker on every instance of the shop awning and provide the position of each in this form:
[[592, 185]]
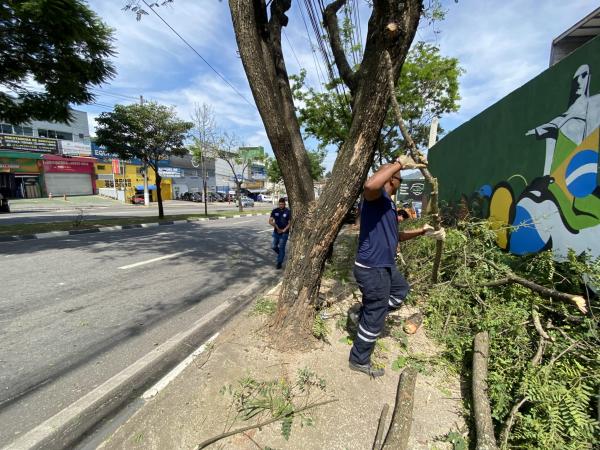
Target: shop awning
[[140, 187], [23, 155]]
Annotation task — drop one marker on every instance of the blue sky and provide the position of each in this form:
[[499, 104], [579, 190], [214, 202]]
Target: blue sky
[[500, 44]]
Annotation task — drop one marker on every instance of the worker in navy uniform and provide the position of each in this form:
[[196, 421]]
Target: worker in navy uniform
[[280, 220], [383, 288]]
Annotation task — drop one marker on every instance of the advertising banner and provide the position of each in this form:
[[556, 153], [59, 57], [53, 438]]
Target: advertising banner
[[116, 166], [27, 143], [75, 148]]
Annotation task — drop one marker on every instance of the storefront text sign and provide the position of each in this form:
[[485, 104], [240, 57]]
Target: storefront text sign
[[30, 144]]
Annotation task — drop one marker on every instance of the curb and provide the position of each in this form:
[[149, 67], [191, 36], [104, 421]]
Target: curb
[[68, 426], [53, 234]]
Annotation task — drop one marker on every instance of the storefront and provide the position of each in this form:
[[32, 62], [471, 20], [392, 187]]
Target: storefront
[[70, 176], [21, 174]]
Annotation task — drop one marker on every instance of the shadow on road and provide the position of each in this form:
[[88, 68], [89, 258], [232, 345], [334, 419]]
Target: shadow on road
[[230, 256]]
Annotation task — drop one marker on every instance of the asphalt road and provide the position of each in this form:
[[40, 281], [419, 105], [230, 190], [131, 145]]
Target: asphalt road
[[74, 311], [58, 211]]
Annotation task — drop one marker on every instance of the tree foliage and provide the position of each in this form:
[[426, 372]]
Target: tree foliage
[[149, 132], [316, 167], [60, 45], [428, 87]]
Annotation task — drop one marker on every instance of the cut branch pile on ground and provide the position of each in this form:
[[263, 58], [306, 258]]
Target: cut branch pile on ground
[[543, 377]]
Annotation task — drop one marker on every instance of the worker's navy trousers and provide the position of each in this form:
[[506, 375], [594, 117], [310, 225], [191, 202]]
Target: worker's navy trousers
[[383, 290]]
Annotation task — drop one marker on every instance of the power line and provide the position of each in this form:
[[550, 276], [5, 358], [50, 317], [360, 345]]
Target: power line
[[111, 94], [312, 49], [199, 55]]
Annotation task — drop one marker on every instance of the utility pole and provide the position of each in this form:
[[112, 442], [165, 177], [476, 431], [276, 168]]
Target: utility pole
[[146, 194]]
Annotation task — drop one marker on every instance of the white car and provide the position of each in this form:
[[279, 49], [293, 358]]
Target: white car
[[266, 198], [246, 201]]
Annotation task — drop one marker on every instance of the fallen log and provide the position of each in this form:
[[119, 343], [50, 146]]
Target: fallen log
[[482, 411], [399, 431], [380, 427]]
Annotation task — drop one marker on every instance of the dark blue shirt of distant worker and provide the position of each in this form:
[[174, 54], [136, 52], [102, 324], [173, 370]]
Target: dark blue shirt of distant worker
[[378, 238], [282, 217]]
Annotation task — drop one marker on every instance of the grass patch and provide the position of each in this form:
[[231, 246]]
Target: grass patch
[[264, 306], [76, 224]]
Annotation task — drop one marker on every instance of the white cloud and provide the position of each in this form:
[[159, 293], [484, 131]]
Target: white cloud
[[500, 44]]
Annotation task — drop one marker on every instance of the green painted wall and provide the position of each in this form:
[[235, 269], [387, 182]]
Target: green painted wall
[[529, 163], [492, 146]]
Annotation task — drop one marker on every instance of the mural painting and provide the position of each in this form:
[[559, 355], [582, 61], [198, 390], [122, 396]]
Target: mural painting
[[559, 210]]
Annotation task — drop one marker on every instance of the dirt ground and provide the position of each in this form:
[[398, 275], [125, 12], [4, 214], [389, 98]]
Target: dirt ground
[[193, 408]]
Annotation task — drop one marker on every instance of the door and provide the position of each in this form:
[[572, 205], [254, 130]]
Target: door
[[69, 183]]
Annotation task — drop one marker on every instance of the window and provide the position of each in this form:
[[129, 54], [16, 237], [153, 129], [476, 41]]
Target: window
[[55, 134], [16, 129]]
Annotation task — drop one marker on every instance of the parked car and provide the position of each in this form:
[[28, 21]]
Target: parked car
[[246, 201], [266, 198], [137, 199]]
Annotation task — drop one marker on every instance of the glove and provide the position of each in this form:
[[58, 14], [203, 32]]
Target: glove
[[430, 232], [408, 163]]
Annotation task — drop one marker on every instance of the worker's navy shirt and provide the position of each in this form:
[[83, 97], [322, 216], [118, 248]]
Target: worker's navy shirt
[[282, 217], [378, 238]]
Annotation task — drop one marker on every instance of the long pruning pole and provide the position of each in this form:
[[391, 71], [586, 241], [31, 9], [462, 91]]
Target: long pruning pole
[[436, 221]]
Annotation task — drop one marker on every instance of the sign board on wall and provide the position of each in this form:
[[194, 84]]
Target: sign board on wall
[[27, 143], [75, 148], [252, 152], [411, 190], [169, 172]]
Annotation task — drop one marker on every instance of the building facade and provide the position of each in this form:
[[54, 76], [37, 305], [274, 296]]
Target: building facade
[[39, 158]]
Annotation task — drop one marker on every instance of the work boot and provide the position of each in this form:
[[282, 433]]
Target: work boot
[[278, 266], [366, 369], [353, 318]]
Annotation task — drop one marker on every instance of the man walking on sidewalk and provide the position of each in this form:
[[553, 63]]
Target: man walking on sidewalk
[[280, 220], [383, 288]]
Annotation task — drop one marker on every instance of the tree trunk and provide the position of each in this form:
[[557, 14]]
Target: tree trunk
[[161, 212], [205, 198], [238, 193], [315, 224]]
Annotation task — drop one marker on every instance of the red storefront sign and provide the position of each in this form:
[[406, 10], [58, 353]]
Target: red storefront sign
[[70, 165]]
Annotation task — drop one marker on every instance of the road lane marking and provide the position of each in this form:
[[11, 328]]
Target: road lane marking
[[164, 381], [160, 258]]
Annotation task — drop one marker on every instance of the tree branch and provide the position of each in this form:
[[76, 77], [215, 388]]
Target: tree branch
[[578, 300], [214, 439], [331, 24], [419, 158]]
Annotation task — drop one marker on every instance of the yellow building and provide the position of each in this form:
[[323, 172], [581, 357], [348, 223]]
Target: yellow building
[[132, 180]]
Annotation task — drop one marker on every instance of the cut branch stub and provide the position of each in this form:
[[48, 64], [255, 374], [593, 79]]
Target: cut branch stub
[[482, 412]]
